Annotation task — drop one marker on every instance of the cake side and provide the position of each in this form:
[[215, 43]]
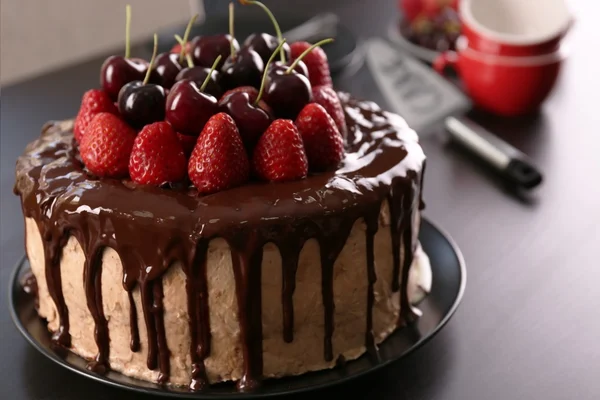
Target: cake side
[[160, 241]]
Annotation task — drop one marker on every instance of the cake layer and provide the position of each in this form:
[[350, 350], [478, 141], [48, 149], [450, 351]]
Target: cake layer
[[157, 235]]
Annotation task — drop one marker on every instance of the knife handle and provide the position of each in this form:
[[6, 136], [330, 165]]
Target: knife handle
[[512, 164]]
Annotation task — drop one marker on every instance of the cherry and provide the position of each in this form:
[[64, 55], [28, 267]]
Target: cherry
[[247, 109], [199, 75], [189, 107], [169, 64], [287, 92], [205, 49], [279, 66], [264, 44], [166, 69], [244, 67], [141, 103], [116, 71]]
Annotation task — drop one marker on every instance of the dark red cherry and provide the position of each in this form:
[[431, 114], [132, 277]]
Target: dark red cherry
[[117, 71], [166, 68], [287, 93], [252, 121], [279, 66], [265, 44], [188, 108], [251, 90], [205, 49], [141, 104], [198, 75], [243, 68]]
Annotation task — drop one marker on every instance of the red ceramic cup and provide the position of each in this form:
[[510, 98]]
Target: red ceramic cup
[[515, 27], [503, 85]]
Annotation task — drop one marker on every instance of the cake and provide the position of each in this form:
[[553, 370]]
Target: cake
[[210, 277]]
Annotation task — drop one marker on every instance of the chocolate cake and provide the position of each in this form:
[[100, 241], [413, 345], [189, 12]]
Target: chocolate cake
[[178, 282]]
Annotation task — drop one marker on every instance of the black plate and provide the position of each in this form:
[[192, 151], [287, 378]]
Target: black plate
[[449, 279]]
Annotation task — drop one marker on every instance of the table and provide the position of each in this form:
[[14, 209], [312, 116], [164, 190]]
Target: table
[[529, 324]]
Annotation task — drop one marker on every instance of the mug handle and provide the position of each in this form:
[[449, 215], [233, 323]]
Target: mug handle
[[448, 59]]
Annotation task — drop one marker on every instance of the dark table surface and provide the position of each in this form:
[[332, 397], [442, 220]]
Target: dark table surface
[[529, 324]]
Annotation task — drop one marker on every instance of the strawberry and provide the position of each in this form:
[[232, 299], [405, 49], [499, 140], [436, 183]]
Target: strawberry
[[177, 48], [279, 154], [187, 142], [157, 156], [219, 160], [106, 146], [94, 101], [322, 140], [411, 8], [316, 62], [328, 98]]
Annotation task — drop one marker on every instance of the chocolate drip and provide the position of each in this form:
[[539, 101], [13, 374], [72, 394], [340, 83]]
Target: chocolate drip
[[147, 305], [161, 337], [197, 297], [371, 220], [151, 228], [289, 264], [52, 253], [92, 278], [334, 233], [134, 343], [407, 314], [246, 257]]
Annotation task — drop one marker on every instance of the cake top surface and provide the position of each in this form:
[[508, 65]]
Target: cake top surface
[[380, 148]]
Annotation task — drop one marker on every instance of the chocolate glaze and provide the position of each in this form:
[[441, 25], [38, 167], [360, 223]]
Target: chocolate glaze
[[151, 228]]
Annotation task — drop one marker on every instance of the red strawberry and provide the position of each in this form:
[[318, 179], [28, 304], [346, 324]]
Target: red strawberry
[[177, 48], [316, 62], [328, 98], [411, 8], [94, 101], [219, 160], [187, 142], [157, 156], [106, 146], [322, 140], [279, 155]]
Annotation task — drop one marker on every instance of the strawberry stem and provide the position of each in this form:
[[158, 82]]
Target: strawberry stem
[[273, 20], [305, 52], [231, 31], [188, 56], [210, 73], [127, 29], [186, 35], [265, 72], [151, 65]]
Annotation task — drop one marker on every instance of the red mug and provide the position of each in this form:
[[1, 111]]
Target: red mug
[[515, 27], [503, 85]]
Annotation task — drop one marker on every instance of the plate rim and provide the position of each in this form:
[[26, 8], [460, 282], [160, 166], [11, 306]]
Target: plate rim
[[14, 282]]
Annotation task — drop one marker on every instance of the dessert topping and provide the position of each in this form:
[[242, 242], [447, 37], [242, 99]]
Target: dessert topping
[[219, 160], [106, 146], [279, 155], [94, 101], [323, 143], [157, 156]]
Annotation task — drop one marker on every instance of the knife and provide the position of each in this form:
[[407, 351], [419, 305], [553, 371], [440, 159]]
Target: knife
[[425, 99]]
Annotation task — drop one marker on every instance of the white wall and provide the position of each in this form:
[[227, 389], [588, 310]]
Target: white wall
[[41, 35]]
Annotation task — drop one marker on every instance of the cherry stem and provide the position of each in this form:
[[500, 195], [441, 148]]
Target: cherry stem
[[186, 35], [305, 52], [273, 20], [188, 57], [231, 31], [151, 65], [265, 72], [214, 66], [127, 29]]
